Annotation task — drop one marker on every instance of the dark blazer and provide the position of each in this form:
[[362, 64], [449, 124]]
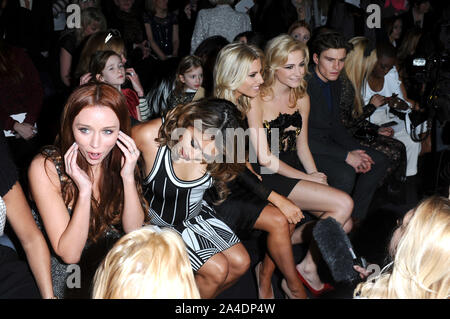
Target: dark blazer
[[327, 136]]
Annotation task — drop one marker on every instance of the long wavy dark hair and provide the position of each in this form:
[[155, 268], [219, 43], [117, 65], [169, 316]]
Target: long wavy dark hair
[[216, 114], [107, 210]]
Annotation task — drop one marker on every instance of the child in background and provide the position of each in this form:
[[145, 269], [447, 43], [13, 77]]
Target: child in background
[[107, 66], [147, 263], [188, 82]]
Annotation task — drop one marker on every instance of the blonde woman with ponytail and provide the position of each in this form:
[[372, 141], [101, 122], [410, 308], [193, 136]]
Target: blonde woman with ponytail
[[359, 65]]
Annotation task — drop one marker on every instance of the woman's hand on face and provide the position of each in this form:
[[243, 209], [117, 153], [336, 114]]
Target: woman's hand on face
[[318, 177], [130, 155], [80, 178], [292, 212], [134, 78]]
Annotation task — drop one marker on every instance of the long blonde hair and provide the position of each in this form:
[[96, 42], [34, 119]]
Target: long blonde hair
[[358, 68], [146, 263], [421, 266], [230, 72], [276, 53]]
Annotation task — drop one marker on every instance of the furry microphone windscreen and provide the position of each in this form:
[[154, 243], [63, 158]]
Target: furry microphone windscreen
[[336, 249]]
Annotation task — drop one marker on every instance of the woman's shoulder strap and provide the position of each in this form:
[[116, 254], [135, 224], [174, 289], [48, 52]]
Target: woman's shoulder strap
[[52, 153]]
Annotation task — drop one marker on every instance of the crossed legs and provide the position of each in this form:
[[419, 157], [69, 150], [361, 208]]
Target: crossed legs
[[322, 201], [279, 253]]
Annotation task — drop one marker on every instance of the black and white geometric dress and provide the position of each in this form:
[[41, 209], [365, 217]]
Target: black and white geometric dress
[[179, 205]]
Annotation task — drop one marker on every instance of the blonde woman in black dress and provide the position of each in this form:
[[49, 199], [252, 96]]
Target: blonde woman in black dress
[[283, 107], [237, 77]]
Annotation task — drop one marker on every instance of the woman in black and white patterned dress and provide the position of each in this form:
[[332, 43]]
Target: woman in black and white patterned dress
[[179, 170]]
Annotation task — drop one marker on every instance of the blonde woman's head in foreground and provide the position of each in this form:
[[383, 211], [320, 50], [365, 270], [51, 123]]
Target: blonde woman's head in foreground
[[145, 264], [420, 248]]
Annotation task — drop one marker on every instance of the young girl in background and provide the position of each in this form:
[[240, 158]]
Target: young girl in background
[[108, 67], [188, 82]]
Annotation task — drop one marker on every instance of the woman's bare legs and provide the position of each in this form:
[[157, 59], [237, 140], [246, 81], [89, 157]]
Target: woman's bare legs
[[279, 253], [222, 270], [239, 263], [332, 202]]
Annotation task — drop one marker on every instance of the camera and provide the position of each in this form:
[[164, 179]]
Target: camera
[[432, 74]]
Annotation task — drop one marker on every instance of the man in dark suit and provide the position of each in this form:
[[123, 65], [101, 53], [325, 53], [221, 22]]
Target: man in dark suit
[[348, 165]]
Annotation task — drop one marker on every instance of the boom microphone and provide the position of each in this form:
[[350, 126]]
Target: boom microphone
[[336, 250]]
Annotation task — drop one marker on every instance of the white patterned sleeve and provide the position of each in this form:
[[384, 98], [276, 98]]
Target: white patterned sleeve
[[199, 33], [2, 215]]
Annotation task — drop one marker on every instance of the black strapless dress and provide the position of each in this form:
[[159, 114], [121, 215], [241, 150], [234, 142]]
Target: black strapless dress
[[288, 127]]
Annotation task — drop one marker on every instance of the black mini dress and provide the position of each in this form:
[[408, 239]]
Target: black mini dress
[[248, 195], [287, 127]]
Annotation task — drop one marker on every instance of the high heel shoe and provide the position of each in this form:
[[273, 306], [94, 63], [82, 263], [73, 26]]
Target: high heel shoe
[[287, 292], [316, 293], [257, 270]]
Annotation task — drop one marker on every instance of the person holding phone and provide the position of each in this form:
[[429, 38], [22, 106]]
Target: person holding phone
[[353, 112], [83, 184], [384, 80]]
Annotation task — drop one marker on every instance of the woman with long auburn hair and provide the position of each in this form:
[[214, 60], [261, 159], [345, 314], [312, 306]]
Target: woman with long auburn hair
[[183, 157], [85, 182]]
